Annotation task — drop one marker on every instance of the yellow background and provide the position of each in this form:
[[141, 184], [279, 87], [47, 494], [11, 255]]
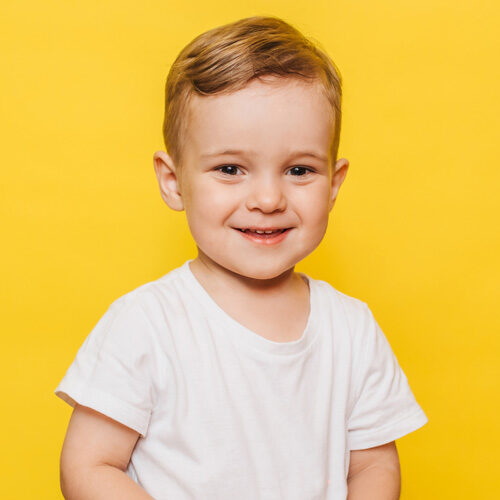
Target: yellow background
[[414, 232]]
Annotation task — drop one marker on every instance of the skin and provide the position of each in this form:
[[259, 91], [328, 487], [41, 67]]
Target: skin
[[267, 185], [374, 473]]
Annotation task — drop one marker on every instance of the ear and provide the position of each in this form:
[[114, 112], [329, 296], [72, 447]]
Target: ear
[[168, 181], [339, 173]]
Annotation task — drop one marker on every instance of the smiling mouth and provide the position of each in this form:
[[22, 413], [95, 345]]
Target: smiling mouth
[[263, 231], [263, 236]]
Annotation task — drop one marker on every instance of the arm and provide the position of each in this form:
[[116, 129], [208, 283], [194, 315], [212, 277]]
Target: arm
[[374, 474], [95, 456]]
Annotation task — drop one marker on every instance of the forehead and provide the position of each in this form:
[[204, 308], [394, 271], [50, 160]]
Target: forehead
[[268, 118]]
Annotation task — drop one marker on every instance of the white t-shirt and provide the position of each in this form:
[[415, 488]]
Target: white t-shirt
[[224, 413]]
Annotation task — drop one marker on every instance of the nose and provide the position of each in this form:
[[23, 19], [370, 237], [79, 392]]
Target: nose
[[266, 195]]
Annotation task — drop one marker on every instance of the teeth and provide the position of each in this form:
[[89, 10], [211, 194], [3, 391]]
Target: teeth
[[258, 231]]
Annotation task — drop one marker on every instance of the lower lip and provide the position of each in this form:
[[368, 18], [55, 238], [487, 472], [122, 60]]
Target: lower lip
[[265, 239]]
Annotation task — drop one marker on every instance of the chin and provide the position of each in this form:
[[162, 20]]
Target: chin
[[260, 275], [263, 272]]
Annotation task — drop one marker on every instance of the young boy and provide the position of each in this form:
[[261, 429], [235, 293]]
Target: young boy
[[233, 376]]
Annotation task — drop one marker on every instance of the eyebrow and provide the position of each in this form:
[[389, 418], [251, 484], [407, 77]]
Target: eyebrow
[[242, 152]]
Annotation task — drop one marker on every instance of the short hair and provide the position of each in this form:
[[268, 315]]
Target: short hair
[[224, 59]]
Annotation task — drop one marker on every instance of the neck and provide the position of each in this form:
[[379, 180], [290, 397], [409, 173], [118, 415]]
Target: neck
[[214, 277]]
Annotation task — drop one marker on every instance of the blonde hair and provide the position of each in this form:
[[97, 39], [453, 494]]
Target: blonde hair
[[224, 59]]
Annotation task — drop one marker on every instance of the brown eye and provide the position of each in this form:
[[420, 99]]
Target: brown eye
[[300, 171], [227, 169]]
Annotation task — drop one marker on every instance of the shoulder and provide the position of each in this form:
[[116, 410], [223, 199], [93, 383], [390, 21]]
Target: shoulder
[[354, 310], [151, 297], [142, 311], [348, 315]]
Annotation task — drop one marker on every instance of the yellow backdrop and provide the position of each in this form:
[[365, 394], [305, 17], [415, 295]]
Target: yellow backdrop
[[414, 232]]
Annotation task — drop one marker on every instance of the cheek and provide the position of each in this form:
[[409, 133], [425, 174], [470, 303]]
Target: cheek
[[314, 203], [210, 204]]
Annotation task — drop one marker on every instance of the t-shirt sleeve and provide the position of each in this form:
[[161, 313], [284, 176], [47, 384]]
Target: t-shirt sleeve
[[384, 406], [112, 370]]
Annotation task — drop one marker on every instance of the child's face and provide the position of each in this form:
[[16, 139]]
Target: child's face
[[267, 182]]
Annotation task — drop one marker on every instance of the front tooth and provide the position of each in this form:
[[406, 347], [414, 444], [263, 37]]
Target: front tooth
[[269, 232], [259, 232]]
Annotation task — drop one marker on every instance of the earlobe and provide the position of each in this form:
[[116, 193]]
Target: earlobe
[[167, 180], [339, 173]]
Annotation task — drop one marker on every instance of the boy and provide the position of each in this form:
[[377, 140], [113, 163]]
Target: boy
[[232, 376]]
